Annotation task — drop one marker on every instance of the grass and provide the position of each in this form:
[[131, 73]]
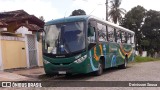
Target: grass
[[145, 59]]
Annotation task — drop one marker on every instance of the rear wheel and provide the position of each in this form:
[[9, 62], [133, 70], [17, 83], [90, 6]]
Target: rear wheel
[[68, 75], [123, 66], [100, 69]]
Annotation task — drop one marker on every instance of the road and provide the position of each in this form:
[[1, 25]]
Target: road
[[148, 71]]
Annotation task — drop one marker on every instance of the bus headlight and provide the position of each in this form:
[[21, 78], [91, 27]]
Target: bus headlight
[[45, 61], [81, 59]]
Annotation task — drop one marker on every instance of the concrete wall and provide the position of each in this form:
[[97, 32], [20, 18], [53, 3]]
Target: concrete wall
[[13, 56], [40, 54], [13, 53], [23, 30], [144, 53]]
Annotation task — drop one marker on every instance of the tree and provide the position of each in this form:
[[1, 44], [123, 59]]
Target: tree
[[151, 30], [78, 12], [41, 18], [133, 20], [115, 14]]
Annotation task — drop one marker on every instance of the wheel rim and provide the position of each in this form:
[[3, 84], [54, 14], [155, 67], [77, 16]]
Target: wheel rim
[[100, 68], [125, 63]]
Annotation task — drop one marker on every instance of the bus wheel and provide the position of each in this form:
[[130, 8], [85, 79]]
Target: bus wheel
[[68, 75], [100, 69], [123, 66]]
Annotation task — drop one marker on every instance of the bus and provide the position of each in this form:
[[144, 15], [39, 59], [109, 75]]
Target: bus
[[84, 44]]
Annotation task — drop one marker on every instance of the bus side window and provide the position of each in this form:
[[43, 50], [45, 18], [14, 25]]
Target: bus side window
[[118, 36], [128, 38], [91, 33], [132, 39], [125, 35], [101, 32], [111, 37], [91, 36], [123, 39]]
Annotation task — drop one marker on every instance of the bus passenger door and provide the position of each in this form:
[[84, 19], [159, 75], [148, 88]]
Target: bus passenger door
[[92, 41], [91, 35]]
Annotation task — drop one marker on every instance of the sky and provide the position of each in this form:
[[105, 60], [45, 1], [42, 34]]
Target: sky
[[53, 9]]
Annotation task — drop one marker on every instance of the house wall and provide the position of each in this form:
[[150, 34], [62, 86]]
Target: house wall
[[23, 30], [3, 29], [13, 56], [1, 68], [11, 26], [40, 54]]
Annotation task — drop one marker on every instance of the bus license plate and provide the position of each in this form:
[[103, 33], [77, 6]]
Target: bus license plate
[[62, 72]]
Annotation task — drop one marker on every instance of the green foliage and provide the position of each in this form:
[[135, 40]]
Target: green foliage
[[133, 20], [145, 42], [144, 59], [146, 25], [151, 29], [115, 14], [78, 12]]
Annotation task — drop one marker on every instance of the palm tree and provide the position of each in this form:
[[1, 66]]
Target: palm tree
[[115, 14]]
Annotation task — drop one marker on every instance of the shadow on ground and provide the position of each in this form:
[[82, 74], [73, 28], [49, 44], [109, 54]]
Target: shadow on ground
[[83, 77]]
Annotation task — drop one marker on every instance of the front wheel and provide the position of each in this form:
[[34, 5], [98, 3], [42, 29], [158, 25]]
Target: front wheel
[[100, 69]]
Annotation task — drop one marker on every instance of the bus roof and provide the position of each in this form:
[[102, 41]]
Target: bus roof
[[85, 17], [67, 19]]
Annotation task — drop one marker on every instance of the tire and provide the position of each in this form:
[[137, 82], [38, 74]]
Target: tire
[[68, 75], [124, 66], [100, 69]]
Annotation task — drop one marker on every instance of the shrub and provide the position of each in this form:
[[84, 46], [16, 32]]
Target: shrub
[[144, 59]]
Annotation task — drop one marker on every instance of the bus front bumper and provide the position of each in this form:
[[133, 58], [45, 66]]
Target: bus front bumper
[[72, 68]]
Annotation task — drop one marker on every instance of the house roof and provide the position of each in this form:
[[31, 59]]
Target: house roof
[[31, 27], [13, 13], [2, 24], [20, 15]]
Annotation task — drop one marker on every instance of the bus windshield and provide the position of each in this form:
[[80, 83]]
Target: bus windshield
[[64, 38]]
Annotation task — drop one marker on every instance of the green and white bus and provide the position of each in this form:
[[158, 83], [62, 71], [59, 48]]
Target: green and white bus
[[84, 44]]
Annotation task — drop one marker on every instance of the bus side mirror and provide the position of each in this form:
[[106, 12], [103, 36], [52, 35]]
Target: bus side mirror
[[90, 31]]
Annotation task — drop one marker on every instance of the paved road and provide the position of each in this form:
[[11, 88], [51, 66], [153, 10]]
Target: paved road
[[149, 71]]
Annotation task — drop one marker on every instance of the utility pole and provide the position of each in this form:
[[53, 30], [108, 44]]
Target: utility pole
[[106, 10], [107, 20]]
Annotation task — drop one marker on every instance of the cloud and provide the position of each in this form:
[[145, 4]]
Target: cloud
[[91, 7], [52, 9]]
